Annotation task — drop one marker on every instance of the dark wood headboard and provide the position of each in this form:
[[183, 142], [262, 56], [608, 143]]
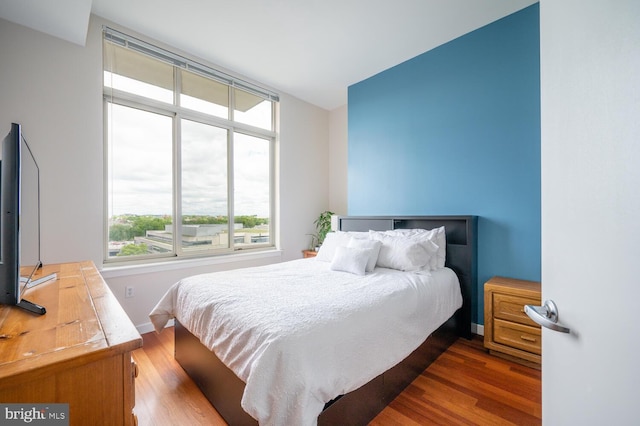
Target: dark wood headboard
[[461, 234]]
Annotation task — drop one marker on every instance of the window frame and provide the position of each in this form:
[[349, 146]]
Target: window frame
[[177, 113]]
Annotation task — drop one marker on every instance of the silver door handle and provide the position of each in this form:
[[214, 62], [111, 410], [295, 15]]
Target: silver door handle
[[546, 316]]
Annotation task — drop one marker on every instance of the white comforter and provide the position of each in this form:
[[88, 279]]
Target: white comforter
[[299, 334]]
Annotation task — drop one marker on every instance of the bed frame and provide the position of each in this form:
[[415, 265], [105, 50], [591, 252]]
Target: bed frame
[[224, 389]]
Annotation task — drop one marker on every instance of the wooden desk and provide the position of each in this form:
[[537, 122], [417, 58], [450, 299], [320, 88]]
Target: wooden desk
[[78, 353]]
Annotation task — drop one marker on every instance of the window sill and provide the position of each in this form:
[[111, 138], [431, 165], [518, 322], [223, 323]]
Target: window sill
[[112, 271]]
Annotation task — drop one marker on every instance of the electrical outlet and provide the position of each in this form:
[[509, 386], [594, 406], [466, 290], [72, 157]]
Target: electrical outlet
[[129, 292]]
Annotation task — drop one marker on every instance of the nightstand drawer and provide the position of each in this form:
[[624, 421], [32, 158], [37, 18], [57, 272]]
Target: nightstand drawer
[[517, 336], [508, 331], [511, 308]]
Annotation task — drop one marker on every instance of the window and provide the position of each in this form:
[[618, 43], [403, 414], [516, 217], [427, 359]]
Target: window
[[189, 156]]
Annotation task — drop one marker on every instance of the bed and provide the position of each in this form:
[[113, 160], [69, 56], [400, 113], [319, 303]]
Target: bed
[[284, 368]]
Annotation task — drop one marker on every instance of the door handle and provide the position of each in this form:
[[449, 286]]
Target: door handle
[[546, 316]]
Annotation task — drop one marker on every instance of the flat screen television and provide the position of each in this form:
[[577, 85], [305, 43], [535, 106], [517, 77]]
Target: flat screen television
[[11, 284]]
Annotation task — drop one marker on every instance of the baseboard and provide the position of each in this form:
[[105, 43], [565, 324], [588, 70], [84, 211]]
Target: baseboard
[[477, 329], [147, 327]]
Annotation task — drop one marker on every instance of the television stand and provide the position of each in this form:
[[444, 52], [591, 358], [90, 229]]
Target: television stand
[[30, 282], [31, 307]]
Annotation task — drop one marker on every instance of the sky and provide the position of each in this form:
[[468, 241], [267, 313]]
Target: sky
[[141, 163]]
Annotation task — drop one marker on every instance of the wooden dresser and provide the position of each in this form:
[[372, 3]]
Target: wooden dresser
[[78, 353], [508, 331]]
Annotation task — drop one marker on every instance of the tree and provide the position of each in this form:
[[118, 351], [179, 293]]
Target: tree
[[133, 249], [250, 221], [142, 224], [120, 232]]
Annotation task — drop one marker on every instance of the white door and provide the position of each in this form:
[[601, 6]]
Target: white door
[[590, 112]]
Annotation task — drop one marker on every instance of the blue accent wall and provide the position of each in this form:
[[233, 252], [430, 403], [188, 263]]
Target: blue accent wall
[[456, 131]]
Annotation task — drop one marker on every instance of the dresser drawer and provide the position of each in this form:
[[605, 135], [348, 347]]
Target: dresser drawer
[[511, 308], [517, 336]]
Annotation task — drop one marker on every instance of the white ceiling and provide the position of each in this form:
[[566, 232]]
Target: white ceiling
[[311, 49]]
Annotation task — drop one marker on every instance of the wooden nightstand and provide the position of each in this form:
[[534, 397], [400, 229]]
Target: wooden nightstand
[[309, 253], [508, 331]]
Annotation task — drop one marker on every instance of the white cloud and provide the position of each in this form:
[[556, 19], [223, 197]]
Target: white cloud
[[141, 164]]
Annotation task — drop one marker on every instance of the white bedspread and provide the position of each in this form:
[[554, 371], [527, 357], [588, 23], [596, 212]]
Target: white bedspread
[[299, 334]]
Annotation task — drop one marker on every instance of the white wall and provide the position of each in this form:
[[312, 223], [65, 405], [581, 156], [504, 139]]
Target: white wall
[[338, 163], [304, 167], [54, 89]]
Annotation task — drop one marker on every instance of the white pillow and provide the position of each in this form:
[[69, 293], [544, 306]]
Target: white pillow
[[350, 259], [441, 241], [436, 235], [360, 235], [403, 253], [372, 246], [332, 241]]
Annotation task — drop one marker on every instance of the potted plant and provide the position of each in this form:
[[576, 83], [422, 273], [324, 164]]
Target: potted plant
[[323, 226]]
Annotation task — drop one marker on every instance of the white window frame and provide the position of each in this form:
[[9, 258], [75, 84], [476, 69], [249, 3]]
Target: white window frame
[[177, 114]]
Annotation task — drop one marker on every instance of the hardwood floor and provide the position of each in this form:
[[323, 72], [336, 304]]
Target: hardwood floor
[[165, 395], [464, 386]]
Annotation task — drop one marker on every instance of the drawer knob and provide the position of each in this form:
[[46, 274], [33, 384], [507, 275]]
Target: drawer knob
[[528, 339], [546, 316]]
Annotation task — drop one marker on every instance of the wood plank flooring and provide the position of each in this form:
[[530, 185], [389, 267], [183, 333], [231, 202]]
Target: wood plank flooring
[[464, 386]]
